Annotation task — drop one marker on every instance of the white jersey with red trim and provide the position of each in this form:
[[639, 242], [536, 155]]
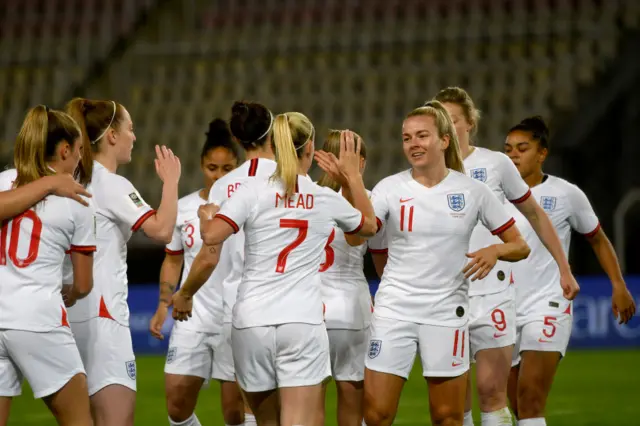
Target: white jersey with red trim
[[428, 232], [537, 277], [499, 173], [32, 248], [345, 289], [120, 211], [284, 244], [233, 248], [207, 303], [7, 177]]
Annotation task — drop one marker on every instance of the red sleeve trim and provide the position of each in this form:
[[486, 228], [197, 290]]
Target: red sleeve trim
[[82, 249], [523, 198], [230, 221], [379, 224], [594, 232], [358, 228], [253, 167], [142, 220], [67, 251], [379, 251], [504, 227], [173, 252]]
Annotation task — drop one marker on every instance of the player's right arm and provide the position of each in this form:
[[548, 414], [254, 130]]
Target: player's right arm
[[83, 245], [378, 245], [16, 201], [169, 278]]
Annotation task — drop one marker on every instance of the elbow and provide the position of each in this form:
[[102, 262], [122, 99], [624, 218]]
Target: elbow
[[369, 228], [83, 289], [525, 250]]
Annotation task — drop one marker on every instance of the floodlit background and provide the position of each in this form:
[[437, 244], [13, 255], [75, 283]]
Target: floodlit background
[[361, 64]]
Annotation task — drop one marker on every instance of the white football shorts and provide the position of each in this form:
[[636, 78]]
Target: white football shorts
[[393, 345], [107, 353], [348, 349], [549, 333], [48, 360], [223, 368], [285, 355], [492, 321], [191, 353]]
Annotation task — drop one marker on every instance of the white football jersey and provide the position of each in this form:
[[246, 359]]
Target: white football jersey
[[207, 303], [32, 248], [284, 246], [537, 278], [120, 211], [499, 173], [7, 177], [345, 289], [428, 232], [232, 254]]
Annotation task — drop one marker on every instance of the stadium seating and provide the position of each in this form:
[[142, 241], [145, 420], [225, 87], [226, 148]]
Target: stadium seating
[[345, 63]]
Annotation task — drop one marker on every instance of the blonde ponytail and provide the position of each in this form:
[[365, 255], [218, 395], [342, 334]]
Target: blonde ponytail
[[75, 108], [444, 124], [37, 140], [291, 132]]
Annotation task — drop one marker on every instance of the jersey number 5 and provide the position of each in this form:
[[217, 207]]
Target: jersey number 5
[[303, 227], [14, 238]]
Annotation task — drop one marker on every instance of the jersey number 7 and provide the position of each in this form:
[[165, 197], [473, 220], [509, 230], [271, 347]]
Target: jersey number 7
[[34, 241], [303, 227]]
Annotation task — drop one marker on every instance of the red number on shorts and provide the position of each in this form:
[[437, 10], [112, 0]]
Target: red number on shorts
[[548, 321], [402, 215], [303, 227], [329, 254], [499, 321], [189, 230], [458, 342], [34, 240]]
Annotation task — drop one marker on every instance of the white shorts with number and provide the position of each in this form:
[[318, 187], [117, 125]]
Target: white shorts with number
[[549, 333], [191, 353], [48, 360], [223, 361], [348, 349], [286, 355], [107, 353], [492, 321], [393, 346]]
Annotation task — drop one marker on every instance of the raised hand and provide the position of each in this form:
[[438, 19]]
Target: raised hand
[[167, 165]]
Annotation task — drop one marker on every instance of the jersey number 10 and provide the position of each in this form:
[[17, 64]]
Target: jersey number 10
[[14, 238]]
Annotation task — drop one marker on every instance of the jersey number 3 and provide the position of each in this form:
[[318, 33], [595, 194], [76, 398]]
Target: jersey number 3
[[34, 240]]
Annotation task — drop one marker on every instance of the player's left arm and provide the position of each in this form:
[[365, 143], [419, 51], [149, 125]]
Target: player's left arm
[[583, 219]]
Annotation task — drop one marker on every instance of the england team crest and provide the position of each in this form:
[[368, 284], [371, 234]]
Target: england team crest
[[548, 204], [131, 369], [374, 348], [479, 174], [456, 202]]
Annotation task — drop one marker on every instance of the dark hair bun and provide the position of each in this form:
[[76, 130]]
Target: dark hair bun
[[249, 122], [218, 129]]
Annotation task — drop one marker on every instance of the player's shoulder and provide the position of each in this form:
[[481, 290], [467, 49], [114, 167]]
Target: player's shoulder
[[563, 186], [7, 177], [390, 182]]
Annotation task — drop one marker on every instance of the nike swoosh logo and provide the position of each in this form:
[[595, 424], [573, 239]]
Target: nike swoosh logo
[[404, 200], [456, 364], [541, 340], [497, 335]]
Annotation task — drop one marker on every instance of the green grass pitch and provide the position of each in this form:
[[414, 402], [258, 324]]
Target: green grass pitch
[[591, 388]]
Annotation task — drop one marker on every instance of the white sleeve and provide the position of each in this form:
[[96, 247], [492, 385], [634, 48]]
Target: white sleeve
[[216, 194], [582, 217], [347, 217], [125, 203], [380, 205], [7, 178], [175, 246], [237, 209], [514, 187], [492, 213], [84, 234]]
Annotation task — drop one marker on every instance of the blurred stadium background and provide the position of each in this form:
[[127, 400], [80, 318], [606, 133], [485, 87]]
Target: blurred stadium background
[[361, 64]]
